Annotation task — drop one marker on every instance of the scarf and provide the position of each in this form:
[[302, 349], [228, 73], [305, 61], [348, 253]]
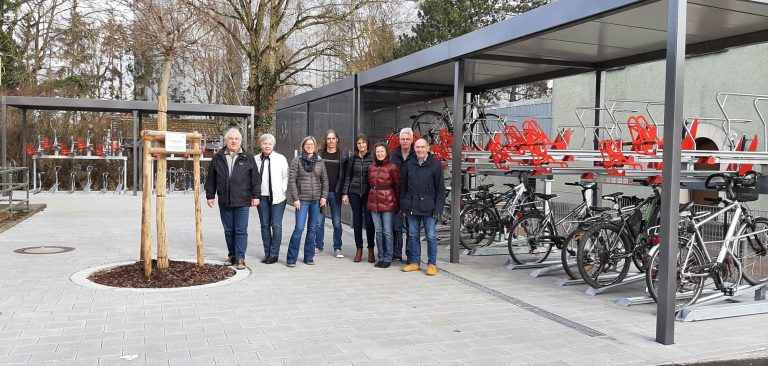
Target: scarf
[[308, 163]]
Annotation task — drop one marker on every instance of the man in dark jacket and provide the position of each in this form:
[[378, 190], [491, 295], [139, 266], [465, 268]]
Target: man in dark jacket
[[403, 154], [422, 201], [234, 177]]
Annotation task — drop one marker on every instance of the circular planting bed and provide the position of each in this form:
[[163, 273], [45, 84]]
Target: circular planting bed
[[129, 276]]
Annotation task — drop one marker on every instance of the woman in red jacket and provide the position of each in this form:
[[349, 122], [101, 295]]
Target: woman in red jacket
[[383, 198]]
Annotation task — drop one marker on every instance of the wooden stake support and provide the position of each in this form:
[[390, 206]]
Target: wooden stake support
[[147, 137]]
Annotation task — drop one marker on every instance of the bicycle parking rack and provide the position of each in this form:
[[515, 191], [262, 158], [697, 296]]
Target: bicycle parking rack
[[531, 151], [709, 307]]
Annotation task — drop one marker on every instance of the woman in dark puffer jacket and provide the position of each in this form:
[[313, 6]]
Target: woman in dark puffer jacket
[[384, 182], [355, 194]]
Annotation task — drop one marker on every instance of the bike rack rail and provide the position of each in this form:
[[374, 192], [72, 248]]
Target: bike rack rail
[[9, 203]]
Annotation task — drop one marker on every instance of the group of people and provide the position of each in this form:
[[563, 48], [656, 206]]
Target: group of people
[[388, 193]]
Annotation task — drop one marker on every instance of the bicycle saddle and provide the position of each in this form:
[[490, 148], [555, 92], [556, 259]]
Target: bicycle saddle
[[612, 196], [545, 197], [599, 208]]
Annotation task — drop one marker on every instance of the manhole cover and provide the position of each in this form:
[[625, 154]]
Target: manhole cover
[[44, 250]]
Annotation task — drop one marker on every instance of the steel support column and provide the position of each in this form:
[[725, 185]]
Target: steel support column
[[135, 156], [670, 193], [24, 137], [597, 192], [357, 110], [458, 123]]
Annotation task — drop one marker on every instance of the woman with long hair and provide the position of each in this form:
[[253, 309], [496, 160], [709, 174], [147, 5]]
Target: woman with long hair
[[355, 194], [334, 158]]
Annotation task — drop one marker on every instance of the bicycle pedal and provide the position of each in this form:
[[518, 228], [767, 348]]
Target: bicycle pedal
[[728, 292]]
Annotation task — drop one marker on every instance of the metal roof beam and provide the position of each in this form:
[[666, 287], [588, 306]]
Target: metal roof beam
[[533, 61]]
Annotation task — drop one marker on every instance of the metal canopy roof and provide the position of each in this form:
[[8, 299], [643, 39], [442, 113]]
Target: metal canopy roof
[[574, 36], [564, 38], [97, 105]]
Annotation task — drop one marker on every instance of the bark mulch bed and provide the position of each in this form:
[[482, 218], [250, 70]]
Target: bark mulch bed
[[7, 221], [179, 274]]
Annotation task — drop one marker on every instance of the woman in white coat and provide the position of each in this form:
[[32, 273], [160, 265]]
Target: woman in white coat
[[273, 168]]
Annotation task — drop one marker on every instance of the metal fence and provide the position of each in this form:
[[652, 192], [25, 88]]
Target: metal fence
[[13, 180]]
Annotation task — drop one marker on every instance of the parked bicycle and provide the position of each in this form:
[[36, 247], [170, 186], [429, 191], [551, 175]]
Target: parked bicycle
[[743, 253]]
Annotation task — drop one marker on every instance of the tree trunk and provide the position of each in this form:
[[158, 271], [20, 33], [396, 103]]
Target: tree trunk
[[162, 125]]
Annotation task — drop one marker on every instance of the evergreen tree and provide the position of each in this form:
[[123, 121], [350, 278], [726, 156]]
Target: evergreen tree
[[12, 69], [442, 20]]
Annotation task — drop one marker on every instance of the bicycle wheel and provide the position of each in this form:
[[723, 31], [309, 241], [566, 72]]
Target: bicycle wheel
[[602, 255], [569, 250], [688, 288], [478, 223], [482, 127], [640, 253], [524, 244], [429, 124], [752, 249]]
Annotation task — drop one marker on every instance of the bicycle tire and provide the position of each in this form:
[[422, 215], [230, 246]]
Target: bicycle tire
[[428, 124], [474, 228], [751, 251], [688, 289], [569, 250], [523, 245], [601, 253], [482, 119]]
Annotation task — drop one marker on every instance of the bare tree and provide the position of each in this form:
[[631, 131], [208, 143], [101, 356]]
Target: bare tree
[[279, 38]]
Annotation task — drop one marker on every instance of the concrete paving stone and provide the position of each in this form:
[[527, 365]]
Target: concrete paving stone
[[307, 361], [130, 349], [346, 357], [550, 363], [229, 341], [100, 351], [14, 358], [29, 333], [123, 326], [212, 351], [165, 338], [78, 345], [52, 356], [167, 355], [189, 346], [64, 324], [60, 339], [449, 363], [252, 347], [33, 348], [79, 362], [18, 341], [103, 336], [205, 360], [286, 353]]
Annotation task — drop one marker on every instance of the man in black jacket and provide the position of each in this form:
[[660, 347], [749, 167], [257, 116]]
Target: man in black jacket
[[233, 176], [422, 201], [403, 154]]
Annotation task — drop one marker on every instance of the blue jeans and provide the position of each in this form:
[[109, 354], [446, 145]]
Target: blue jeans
[[235, 222], [383, 223], [311, 209], [334, 204], [398, 229], [414, 223], [271, 218], [359, 212]]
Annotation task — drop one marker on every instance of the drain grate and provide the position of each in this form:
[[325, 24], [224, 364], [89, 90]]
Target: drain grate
[[44, 250], [583, 329]]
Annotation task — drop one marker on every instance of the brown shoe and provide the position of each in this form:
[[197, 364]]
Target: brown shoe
[[371, 256], [359, 255], [241, 264], [230, 261]]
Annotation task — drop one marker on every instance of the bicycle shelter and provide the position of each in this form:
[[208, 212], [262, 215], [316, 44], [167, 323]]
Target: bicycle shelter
[[557, 40], [137, 108]]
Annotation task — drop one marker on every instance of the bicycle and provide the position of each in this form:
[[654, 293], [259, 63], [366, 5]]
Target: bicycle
[[743, 253], [533, 235], [429, 124], [605, 249], [482, 219]]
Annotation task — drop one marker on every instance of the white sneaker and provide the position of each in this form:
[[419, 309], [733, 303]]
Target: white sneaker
[[318, 251], [338, 254]]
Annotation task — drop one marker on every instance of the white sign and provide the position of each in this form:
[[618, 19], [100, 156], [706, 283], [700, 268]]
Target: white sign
[[176, 142]]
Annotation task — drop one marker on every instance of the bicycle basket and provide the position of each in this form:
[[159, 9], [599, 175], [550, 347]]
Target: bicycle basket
[[745, 194], [749, 193]]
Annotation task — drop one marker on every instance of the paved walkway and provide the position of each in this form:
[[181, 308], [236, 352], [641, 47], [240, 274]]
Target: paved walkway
[[334, 313]]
